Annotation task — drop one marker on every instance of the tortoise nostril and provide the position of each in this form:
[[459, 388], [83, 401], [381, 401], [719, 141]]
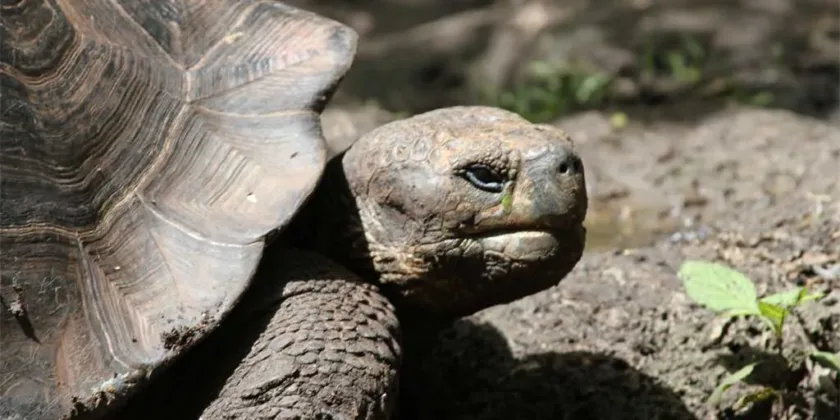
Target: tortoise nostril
[[570, 165], [564, 168]]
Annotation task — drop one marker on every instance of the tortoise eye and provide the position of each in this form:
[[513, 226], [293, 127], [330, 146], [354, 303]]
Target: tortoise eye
[[484, 178]]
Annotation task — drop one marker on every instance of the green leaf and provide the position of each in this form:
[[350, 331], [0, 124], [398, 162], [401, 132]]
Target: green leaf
[[787, 298], [793, 297], [730, 380], [649, 58], [738, 312], [827, 360], [719, 287], [811, 296], [590, 87], [775, 315], [761, 99], [541, 69], [694, 49]]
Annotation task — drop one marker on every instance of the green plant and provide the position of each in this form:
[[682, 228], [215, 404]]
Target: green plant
[[739, 94], [683, 63], [700, 70], [549, 93], [731, 293]]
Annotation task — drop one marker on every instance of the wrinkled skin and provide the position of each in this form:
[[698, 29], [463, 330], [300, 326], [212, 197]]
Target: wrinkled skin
[[428, 219], [457, 209]]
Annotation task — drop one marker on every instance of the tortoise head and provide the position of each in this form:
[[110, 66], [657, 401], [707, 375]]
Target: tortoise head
[[463, 208]]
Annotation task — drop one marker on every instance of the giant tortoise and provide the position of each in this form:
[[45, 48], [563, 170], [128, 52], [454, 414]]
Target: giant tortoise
[[168, 198]]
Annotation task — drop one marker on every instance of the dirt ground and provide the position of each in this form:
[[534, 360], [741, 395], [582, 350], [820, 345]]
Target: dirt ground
[[690, 177]]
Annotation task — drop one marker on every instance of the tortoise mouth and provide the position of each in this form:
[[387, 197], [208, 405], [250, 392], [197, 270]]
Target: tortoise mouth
[[492, 268], [528, 245]]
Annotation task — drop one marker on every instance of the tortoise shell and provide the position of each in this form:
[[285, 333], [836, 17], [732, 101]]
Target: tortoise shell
[[148, 147]]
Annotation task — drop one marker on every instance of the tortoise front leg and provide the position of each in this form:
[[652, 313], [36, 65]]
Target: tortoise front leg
[[327, 346]]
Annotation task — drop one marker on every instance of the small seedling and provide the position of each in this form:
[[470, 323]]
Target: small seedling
[[731, 293]]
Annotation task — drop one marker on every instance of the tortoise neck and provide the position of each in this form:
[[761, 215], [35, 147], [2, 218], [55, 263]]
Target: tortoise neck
[[330, 224]]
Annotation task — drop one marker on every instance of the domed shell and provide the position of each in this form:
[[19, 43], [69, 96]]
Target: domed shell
[[147, 149]]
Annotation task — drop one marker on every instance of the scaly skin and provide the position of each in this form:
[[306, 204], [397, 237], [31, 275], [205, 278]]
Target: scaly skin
[[445, 213], [328, 343]]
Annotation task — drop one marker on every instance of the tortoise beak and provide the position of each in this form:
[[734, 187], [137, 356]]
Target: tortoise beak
[[549, 194]]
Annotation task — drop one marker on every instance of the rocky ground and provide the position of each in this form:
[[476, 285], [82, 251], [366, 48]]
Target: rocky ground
[[689, 176]]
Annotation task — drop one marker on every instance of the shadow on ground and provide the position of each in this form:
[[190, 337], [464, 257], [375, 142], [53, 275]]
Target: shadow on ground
[[471, 373]]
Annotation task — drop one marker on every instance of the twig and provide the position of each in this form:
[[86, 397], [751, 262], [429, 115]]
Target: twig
[[447, 34]]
